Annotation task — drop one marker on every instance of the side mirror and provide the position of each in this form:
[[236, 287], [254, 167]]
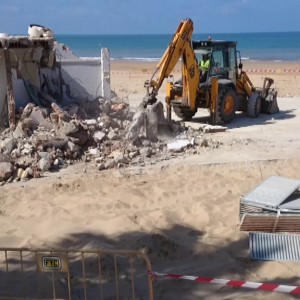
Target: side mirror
[[240, 66]]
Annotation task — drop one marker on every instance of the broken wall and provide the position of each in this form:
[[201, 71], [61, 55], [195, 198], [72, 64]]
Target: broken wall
[[23, 68], [50, 72], [80, 79], [24, 62], [74, 80]]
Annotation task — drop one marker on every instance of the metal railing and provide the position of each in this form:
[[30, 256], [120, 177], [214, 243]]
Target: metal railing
[[74, 274]]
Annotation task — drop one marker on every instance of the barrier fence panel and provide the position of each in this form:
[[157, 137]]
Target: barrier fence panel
[[74, 274]]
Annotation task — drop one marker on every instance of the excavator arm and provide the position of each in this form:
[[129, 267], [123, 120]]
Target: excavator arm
[[179, 47]]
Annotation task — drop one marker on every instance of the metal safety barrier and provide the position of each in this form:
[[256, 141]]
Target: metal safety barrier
[[74, 274]]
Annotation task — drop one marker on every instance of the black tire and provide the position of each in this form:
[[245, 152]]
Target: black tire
[[183, 112], [226, 105], [254, 105]]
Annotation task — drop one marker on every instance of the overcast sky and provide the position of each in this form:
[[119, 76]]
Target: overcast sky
[[149, 16]]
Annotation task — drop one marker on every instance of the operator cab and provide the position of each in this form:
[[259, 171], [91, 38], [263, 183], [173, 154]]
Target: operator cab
[[222, 59]]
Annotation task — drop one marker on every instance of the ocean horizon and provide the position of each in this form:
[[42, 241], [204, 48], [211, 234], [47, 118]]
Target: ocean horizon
[[270, 46]]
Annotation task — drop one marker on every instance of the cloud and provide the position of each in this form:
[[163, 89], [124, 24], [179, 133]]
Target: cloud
[[232, 7]]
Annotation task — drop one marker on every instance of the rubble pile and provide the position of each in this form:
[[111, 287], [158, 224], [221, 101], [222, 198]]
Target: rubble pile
[[105, 132]]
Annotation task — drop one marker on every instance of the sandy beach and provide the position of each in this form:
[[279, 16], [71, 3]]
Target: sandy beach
[[128, 77], [186, 208]]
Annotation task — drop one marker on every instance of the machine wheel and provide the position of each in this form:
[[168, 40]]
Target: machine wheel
[[254, 105], [226, 105], [184, 112]]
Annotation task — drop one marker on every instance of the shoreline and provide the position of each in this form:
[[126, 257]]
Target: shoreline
[[259, 67], [263, 63], [141, 59]]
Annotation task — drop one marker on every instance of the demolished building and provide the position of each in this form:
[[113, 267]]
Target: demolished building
[[57, 108], [36, 68]]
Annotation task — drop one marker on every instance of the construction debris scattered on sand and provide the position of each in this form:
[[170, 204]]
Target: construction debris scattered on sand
[[105, 132]]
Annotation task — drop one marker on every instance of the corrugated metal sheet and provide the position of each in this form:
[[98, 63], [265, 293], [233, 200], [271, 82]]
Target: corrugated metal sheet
[[272, 192], [271, 246], [270, 223]]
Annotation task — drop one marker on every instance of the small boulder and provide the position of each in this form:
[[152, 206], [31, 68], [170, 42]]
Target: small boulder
[[6, 170]]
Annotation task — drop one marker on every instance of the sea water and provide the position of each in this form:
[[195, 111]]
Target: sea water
[[273, 46]]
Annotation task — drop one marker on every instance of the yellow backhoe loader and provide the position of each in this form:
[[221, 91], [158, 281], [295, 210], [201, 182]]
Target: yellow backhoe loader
[[223, 87]]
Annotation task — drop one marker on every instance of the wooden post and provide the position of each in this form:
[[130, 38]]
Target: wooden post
[[105, 74], [214, 99], [10, 97]]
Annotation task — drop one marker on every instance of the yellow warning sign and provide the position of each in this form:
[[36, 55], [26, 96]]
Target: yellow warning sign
[[52, 263]]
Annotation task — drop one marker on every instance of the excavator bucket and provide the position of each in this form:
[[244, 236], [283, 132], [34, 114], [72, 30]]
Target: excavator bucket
[[269, 103], [151, 123]]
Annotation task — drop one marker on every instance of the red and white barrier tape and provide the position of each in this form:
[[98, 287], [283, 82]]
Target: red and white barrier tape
[[271, 287]]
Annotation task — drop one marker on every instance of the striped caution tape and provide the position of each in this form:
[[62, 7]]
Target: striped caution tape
[[288, 71], [271, 287]]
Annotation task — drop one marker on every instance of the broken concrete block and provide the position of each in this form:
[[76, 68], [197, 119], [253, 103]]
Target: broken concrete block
[[146, 152], [109, 164], [16, 153], [44, 154], [72, 146], [94, 152], [19, 132], [6, 170], [27, 111], [133, 154], [213, 129], [113, 136], [90, 122], [80, 136], [69, 127], [178, 145], [99, 136], [119, 157], [137, 125], [44, 164], [37, 117], [8, 145]]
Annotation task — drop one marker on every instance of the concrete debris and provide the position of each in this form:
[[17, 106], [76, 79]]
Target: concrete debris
[[6, 170], [178, 145], [105, 132]]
